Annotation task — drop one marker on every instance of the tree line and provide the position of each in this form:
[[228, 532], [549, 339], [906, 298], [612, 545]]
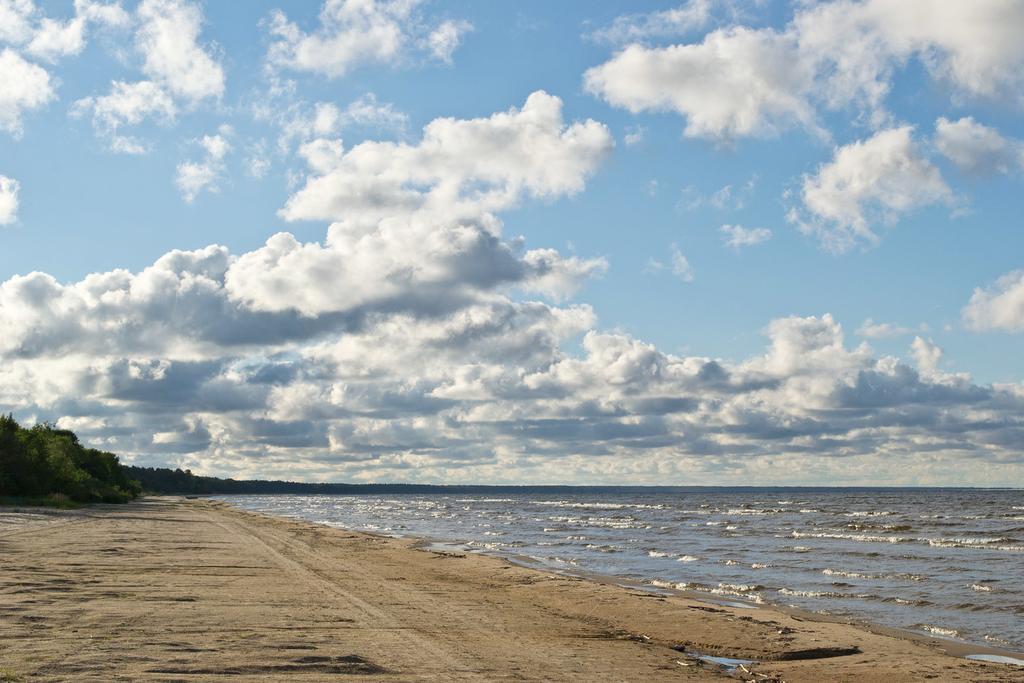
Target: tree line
[[46, 464]]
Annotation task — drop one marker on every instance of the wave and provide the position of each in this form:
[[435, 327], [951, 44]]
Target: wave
[[977, 543], [863, 538], [849, 575], [858, 575], [604, 548], [595, 505], [937, 630], [485, 500]]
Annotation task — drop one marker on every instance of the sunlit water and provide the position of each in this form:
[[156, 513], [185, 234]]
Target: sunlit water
[[941, 561]]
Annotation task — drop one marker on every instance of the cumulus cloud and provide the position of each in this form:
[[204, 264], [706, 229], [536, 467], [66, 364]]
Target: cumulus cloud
[[926, 354], [998, 307], [166, 365], [444, 40], [9, 188], [24, 86], [353, 33], [737, 237], [834, 55], [977, 148], [127, 104], [181, 73], [971, 46], [55, 38], [736, 82], [870, 181], [458, 168], [23, 24], [168, 39], [194, 177]]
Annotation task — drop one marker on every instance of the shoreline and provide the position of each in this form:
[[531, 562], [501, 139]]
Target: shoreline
[[954, 646], [201, 589]]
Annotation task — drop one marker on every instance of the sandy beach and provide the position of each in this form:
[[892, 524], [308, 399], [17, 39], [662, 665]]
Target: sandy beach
[[185, 590]]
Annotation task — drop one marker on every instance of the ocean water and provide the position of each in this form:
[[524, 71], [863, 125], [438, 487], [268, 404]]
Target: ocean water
[[944, 562]]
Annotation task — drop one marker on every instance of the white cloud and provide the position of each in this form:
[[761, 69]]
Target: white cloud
[[165, 365], [55, 39], [869, 181], [736, 236], [976, 148], [737, 82], [354, 33], [872, 330], [9, 188], [302, 122], [459, 167], [974, 46], [998, 307], [835, 55], [46, 38], [634, 136], [168, 38], [127, 104], [194, 177], [681, 267], [16, 21], [629, 28], [180, 72], [926, 353], [444, 40], [351, 33], [367, 111], [23, 87]]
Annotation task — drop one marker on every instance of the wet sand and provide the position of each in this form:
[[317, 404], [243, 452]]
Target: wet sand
[[186, 590]]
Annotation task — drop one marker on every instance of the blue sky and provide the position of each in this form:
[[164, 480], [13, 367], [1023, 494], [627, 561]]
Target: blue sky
[[855, 202]]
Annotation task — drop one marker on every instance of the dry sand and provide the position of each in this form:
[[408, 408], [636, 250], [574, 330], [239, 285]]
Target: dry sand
[[174, 590]]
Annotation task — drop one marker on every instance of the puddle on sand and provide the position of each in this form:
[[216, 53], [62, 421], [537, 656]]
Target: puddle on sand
[[740, 605], [726, 662], [998, 659]]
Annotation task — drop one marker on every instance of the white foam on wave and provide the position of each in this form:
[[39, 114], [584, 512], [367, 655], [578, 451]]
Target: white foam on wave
[[862, 538], [596, 505], [849, 575], [687, 558], [997, 659], [938, 630], [809, 594], [485, 500]]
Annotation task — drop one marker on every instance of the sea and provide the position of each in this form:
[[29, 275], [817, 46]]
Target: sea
[[947, 563]]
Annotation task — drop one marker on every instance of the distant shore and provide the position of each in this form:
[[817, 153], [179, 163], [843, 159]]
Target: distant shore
[[168, 588]]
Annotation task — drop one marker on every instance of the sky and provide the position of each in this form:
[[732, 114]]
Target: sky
[[578, 243]]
